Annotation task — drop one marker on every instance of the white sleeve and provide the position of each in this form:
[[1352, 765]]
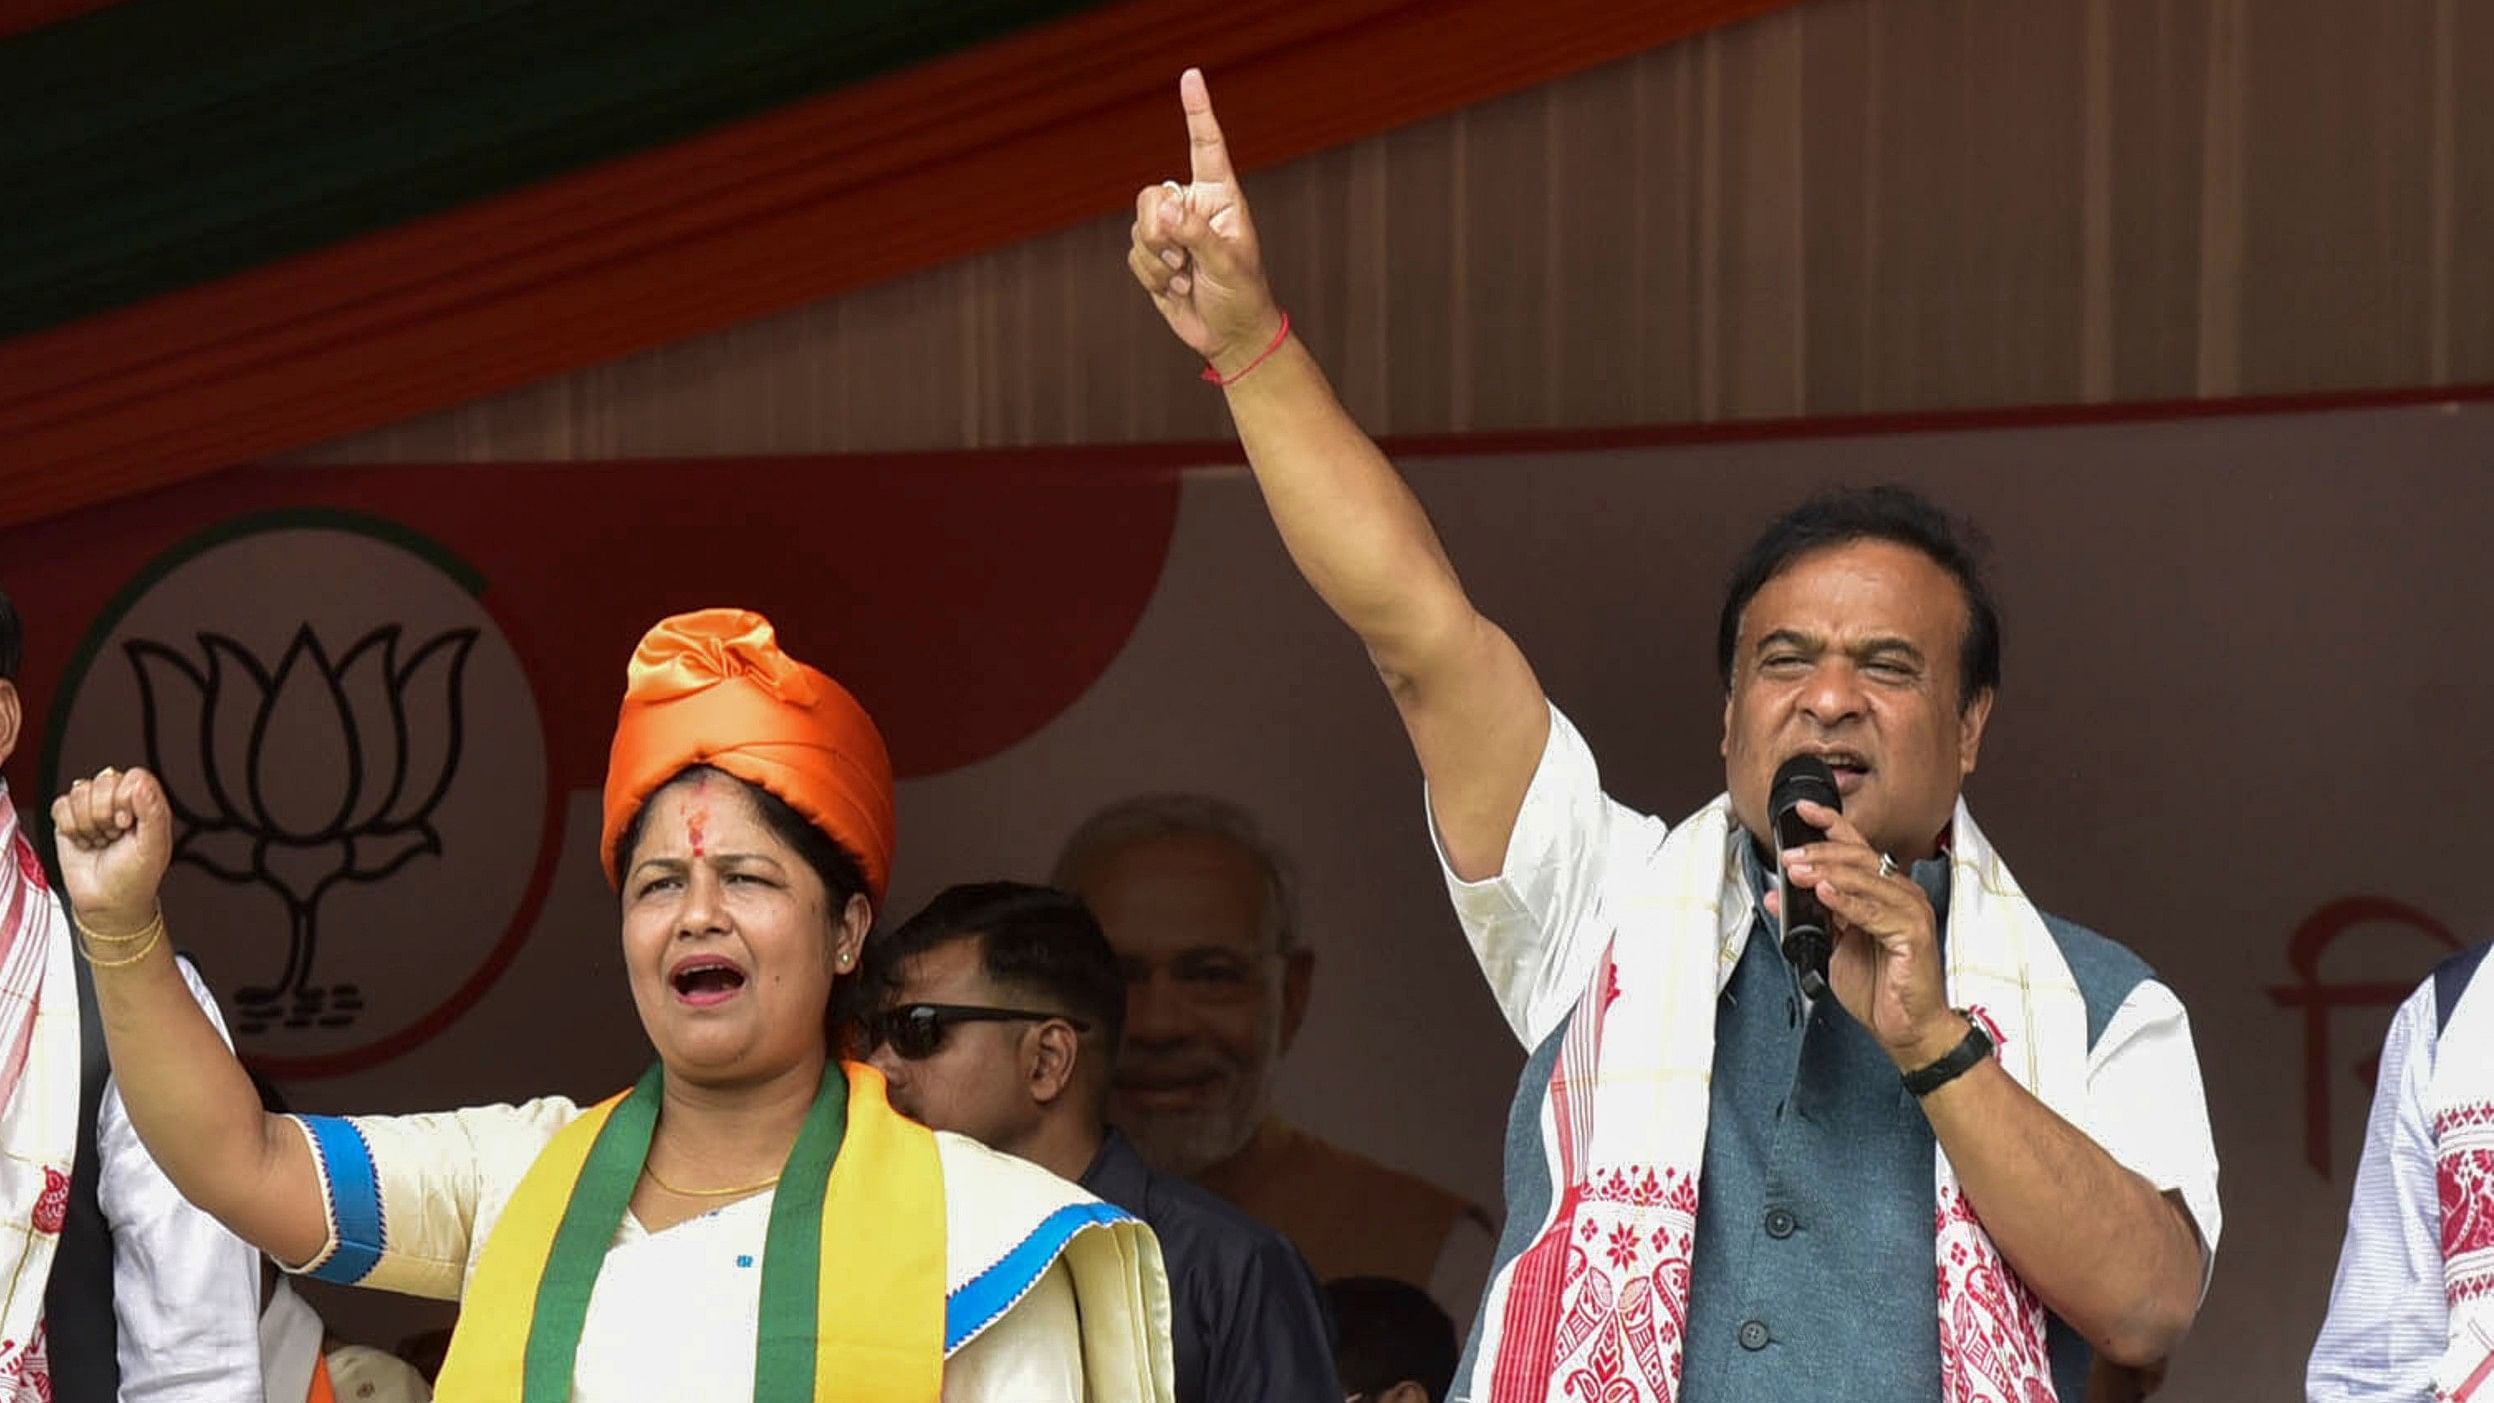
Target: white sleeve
[[2147, 1109], [2387, 1321], [186, 1293], [1538, 926], [412, 1200]]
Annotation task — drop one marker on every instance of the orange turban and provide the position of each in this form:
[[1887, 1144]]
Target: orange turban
[[713, 688]]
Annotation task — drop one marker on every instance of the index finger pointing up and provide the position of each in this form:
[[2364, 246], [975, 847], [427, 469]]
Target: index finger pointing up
[[1210, 157]]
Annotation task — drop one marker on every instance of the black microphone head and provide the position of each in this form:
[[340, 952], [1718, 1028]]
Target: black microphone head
[[1803, 777], [1806, 940]]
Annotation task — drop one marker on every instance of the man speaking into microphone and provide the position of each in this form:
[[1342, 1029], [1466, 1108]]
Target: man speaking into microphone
[[1974, 1168]]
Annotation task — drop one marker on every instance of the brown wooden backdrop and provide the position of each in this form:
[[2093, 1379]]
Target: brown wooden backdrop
[[1840, 208]]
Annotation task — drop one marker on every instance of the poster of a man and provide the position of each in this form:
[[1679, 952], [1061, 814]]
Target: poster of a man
[[1201, 908]]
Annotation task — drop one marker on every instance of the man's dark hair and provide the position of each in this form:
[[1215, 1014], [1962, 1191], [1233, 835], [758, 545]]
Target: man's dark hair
[[1390, 1332], [1901, 515], [12, 641], [1042, 943]]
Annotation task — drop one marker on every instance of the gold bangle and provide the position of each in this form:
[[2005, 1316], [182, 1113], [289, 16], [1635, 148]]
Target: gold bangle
[[154, 939], [154, 926]]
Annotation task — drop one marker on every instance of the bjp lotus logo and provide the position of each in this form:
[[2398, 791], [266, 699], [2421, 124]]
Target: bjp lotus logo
[[319, 769], [366, 819]]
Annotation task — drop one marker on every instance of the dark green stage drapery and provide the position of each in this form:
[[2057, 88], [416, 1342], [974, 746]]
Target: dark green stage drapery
[[160, 143], [235, 227]]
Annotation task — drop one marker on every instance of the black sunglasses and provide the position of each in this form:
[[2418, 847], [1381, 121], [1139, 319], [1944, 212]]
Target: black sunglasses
[[917, 1031]]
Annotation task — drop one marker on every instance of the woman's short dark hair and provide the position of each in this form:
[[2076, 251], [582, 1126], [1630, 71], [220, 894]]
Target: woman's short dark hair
[[1901, 515], [843, 875]]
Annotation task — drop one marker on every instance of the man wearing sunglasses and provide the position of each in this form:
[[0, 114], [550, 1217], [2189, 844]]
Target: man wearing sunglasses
[[999, 1011]]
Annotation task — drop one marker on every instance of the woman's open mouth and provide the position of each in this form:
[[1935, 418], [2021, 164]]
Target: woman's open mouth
[[705, 981]]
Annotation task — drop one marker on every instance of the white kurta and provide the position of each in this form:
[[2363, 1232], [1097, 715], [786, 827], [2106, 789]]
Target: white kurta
[[186, 1292], [2389, 1317]]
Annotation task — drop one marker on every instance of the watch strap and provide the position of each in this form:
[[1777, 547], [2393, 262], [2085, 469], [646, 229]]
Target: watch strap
[[1976, 1046]]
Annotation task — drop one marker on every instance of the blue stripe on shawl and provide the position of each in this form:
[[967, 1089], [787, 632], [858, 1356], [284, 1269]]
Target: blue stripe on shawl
[[976, 1303], [354, 1199]]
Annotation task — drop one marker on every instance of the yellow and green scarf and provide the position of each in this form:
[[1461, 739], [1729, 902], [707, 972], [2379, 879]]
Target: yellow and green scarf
[[853, 1275]]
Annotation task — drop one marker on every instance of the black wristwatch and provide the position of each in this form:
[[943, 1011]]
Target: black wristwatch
[[1922, 1081]]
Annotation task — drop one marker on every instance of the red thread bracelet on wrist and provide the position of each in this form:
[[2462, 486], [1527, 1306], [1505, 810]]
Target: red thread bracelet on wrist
[[1215, 377]]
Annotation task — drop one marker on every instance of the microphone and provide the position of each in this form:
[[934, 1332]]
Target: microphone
[[1808, 940]]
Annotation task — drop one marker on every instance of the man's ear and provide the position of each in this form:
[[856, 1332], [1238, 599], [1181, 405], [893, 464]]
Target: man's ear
[[1054, 1051], [1971, 719]]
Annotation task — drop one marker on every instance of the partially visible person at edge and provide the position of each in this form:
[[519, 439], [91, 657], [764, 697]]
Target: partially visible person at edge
[[999, 1017], [1396, 1345], [117, 1288], [2060, 1197], [1201, 909], [751, 1220], [2411, 1314]]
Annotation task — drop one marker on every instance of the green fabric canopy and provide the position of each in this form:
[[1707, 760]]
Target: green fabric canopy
[[160, 143]]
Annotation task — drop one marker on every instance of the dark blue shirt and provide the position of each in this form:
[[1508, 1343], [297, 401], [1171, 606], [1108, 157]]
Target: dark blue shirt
[[1247, 1320]]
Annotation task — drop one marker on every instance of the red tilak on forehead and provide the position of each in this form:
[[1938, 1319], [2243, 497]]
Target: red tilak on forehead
[[697, 814]]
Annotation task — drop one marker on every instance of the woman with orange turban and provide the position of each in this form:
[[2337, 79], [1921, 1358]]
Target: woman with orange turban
[[750, 1221]]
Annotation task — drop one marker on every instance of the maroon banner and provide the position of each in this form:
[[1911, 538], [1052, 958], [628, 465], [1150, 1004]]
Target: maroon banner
[[339, 672]]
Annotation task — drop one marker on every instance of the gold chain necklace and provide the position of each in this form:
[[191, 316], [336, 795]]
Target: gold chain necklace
[[753, 1187]]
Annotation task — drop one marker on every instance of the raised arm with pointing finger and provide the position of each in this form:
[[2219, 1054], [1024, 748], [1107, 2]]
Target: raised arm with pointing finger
[[1977, 1166], [1467, 697]]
